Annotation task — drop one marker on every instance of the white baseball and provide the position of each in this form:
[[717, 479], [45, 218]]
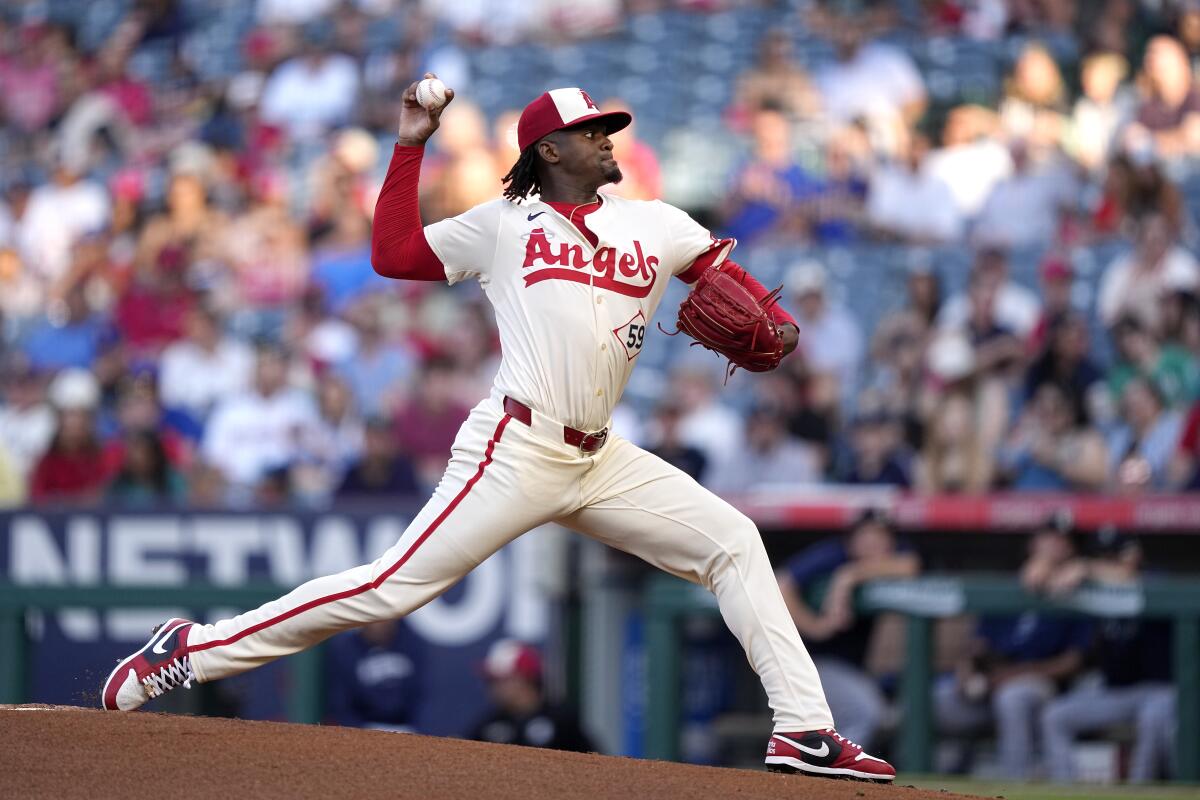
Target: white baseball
[[431, 94]]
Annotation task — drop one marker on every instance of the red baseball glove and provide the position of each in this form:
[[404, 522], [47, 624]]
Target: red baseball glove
[[723, 316]]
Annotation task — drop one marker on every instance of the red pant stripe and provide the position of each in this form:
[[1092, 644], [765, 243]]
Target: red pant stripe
[[375, 584]]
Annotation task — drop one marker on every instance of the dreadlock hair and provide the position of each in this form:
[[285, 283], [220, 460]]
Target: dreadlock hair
[[522, 179]]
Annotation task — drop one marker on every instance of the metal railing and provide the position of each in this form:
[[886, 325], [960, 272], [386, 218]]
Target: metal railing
[[922, 601], [304, 696]]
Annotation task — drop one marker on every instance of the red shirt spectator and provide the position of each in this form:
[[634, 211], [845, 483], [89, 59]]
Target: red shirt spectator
[[72, 468]]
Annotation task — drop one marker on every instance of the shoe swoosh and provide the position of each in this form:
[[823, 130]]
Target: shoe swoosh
[[158, 646], [815, 752], [861, 756], [532, 217]]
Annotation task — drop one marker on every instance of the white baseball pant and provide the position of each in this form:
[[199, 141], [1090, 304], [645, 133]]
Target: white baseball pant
[[505, 478]]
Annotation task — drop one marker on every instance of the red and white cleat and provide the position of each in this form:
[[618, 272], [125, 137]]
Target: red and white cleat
[[157, 668], [826, 753]]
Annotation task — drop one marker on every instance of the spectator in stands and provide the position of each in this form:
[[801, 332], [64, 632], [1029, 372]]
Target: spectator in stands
[[1132, 656], [1135, 283], [871, 81], [775, 81], [1100, 113], [343, 190], [972, 159], [1016, 308], [837, 209], [1056, 278], [998, 351], [341, 265], [330, 445], [1025, 208], [258, 430], [1172, 369], [1169, 112], [27, 421], [465, 172], [907, 202], [31, 77], [668, 445], [267, 251], [146, 478], [1017, 664], [379, 371], [706, 423], [205, 367], [373, 677], [313, 92], [428, 421], [71, 469], [137, 408], [56, 216], [1135, 187], [382, 471], [898, 352], [835, 634], [1065, 361], [1052, 447], [878, 454], [765, 193], [1033, 109], [966, 416], [151, 312], [1140, 448], [522, 714], [70, 334], [769, 457], [187, 233], [830, 339]]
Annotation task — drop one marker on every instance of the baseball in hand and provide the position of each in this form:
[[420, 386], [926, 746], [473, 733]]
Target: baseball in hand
[[431, 94]]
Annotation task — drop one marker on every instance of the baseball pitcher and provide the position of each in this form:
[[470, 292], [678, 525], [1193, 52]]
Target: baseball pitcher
[[574, 276]]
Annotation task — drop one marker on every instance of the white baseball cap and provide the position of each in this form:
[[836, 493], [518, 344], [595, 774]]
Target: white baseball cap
[[805, 277]]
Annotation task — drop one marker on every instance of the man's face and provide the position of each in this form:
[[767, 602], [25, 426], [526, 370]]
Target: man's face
[[585, 154]]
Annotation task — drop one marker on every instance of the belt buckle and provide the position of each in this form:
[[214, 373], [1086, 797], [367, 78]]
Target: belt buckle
[[592, 442]]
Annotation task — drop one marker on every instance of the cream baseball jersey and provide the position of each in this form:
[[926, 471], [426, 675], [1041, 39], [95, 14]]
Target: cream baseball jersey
[[572, 317]]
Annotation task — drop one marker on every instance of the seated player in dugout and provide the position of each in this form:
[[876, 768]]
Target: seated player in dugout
[[520, 713], [574, 277], [838, 636]]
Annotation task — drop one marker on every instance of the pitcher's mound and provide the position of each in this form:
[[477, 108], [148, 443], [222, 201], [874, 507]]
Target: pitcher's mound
[[63, 752]]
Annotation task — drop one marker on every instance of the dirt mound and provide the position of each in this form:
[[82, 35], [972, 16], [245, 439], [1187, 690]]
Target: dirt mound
[[65, 752]]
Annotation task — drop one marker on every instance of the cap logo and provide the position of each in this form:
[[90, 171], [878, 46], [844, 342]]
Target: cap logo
[[587, 98]]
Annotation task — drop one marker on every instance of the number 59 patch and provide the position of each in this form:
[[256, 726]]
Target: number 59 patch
[[631, 335]]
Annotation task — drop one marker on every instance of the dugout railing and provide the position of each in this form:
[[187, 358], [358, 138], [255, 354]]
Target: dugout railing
[[922, 601]]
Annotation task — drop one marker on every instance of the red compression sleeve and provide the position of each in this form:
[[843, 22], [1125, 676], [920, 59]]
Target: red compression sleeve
[[398, 245], [759, 291]]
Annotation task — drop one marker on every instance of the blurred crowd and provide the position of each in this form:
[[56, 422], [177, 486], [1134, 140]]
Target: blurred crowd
[[188, 313]]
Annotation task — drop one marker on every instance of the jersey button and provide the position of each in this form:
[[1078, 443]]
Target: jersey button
[[604, 346], [599, 392], [599, 300]]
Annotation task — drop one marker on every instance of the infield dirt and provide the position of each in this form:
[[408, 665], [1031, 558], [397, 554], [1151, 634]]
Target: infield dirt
[[63, 752]]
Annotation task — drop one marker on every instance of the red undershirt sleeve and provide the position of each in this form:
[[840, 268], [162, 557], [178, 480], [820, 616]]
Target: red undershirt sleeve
[[398, 245]]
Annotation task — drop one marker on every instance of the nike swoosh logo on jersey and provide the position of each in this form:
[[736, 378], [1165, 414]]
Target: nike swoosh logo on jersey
[[532, 217], [158, 646], [815, 752]]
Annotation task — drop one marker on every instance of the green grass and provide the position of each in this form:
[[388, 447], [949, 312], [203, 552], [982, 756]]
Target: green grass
[[1036, 791]]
